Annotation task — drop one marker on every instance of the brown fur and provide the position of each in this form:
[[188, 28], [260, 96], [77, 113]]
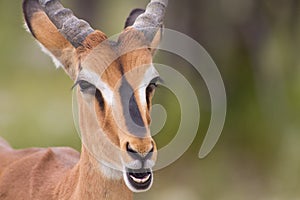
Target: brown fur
[[53, 173], [61, 173]]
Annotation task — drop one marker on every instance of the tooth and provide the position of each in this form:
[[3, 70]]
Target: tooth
[[135, 179], [146, 178], [142, 180]]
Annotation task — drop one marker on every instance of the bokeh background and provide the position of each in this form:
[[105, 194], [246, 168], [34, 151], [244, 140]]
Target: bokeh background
[[256, 46]]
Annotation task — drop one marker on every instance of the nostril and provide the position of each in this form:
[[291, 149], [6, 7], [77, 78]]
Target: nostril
[[149, 154], [151, 150], [139, 155], [133, 153], [130, 149]]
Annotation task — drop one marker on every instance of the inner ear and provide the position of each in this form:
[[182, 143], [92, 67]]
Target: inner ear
[[132, 16], [45, 32]]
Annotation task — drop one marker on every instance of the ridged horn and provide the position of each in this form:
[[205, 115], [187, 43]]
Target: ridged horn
[[73, 29], [152, 19]]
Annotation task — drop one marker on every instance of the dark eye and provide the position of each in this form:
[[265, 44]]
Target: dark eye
[[150, 92], [87, 87], [151, 87]]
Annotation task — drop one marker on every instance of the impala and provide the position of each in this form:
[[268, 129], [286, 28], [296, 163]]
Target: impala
[[114, 82]]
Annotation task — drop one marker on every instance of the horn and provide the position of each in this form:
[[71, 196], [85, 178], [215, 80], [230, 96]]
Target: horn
[[152, 19], [73, 29]]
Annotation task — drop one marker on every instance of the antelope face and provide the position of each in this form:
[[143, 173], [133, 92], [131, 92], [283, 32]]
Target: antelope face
[[115, 81]]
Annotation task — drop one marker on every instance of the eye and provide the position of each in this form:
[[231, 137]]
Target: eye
[[151, 88], [150, 92], [86, 87]]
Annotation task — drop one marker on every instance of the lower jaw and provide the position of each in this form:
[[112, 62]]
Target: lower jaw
[[138, 180]]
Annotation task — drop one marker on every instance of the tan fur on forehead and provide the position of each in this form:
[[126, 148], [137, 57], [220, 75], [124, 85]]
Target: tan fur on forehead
[[110, 61], [132, 39], [103, 60], [134, 49], [93, 40], [136, 61]]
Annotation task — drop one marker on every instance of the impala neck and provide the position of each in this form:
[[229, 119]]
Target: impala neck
[[88, 181]]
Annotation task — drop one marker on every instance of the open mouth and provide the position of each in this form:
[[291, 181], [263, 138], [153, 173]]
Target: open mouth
[[139, 179]]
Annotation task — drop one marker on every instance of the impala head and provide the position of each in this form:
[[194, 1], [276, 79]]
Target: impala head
[[115, 79]]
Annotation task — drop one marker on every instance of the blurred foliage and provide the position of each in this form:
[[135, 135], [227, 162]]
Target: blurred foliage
[[255, 45]]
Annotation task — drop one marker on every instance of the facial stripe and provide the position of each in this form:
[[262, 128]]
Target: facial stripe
[[132, 115]]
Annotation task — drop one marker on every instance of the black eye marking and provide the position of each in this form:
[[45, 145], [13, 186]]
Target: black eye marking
[[100, 99]]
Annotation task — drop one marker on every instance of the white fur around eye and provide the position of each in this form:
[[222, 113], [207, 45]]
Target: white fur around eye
[[149, 75]]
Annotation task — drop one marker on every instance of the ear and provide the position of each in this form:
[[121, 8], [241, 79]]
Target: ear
[[45, 32], [130, 21], [132, 16]]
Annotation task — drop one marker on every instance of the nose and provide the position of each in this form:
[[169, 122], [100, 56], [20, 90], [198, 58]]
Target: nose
[[140, 152]]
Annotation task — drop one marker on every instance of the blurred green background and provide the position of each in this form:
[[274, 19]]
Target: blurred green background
[[255, 44]]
